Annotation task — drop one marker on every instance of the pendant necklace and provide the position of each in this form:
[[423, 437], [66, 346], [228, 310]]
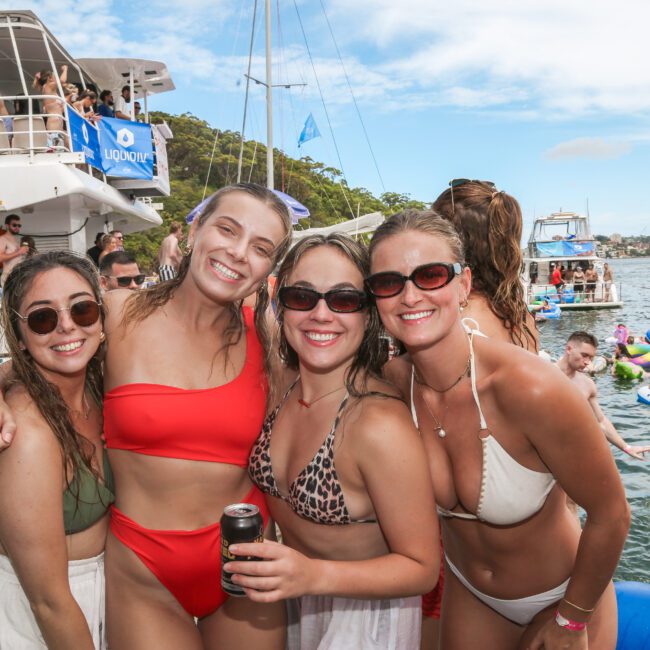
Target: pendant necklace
[[438, 425], [308, 405]]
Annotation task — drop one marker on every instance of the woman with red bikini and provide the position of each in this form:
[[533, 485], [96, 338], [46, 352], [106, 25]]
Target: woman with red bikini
[[186, 397]]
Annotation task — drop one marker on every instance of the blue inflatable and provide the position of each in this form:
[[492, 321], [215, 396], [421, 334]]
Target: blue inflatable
[[643, 395], [633, 600], [552, 312]]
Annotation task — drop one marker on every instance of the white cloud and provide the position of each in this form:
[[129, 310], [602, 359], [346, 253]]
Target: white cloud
[[592, 148], [565, 58]]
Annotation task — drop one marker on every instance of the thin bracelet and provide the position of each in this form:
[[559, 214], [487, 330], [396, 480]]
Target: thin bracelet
[[582, 609]]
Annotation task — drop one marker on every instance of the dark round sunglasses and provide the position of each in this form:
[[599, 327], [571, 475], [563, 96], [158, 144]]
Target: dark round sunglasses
[[343, 301], [125, 280], [45, 319], [427, 277]]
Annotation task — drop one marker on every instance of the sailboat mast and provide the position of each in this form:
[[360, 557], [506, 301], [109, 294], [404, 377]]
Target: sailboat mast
[[269, 102]]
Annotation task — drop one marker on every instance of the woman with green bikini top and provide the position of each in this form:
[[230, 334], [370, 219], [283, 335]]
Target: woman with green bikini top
[[55, 482]]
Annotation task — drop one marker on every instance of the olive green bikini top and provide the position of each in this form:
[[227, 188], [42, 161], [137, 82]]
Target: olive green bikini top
[[86, 500]]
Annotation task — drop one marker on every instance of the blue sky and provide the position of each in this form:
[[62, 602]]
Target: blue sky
[[549, 99]]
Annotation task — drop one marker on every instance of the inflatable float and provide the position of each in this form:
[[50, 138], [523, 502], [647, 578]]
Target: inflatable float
[[627, 370], [639, 354], [633, 599], [643, 396], [552, 312]]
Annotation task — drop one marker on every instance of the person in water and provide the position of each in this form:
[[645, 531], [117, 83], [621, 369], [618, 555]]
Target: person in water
[[55, 482], [342, 467], [579, 352], [521, 573]]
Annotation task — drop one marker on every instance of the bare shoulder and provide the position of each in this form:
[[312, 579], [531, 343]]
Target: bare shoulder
[[398, 372], [522, 380], [33, 435], [381, 418], [114, 303]]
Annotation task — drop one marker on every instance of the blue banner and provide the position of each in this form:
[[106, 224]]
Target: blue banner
[[126, 148], [85, 139], [563, 248]]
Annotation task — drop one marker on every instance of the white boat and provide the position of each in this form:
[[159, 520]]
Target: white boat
[[62, 200], [565, 239]]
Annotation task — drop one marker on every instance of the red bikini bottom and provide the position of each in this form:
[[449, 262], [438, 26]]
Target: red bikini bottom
[[432, 602], [186, 562]]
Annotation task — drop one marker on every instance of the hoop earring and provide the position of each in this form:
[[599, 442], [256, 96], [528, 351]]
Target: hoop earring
[[462, 305], [102, 336]]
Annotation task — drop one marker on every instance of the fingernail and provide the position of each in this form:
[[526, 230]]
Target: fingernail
[[233, 548], [7, 437]]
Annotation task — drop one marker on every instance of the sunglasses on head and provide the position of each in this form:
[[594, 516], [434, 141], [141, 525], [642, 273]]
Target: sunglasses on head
[[342, 301], [45, 319], [125, 280], [427, 277], [458, 182]]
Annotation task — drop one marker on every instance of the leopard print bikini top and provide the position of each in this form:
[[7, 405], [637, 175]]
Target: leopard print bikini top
[[316, 493]]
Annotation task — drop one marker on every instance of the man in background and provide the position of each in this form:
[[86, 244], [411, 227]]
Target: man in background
[[123, 106], [169, 254], [11, 253], [119, 237], [578, 354], [119, 270], [105, 109], [95, 251]]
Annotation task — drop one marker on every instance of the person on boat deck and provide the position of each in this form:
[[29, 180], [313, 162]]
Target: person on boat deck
[[123, 106], [579, 352], [591, 278], [105, 108], [11, 252], [556, 279], [55, 481], [120, 270], [578, 282], [109, 244], [169, 253], [520, 573]]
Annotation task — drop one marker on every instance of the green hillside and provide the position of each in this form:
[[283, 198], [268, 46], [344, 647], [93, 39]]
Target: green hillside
[[321, 188]]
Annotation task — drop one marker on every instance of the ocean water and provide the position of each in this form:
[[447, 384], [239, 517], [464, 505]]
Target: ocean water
[[619, 400]]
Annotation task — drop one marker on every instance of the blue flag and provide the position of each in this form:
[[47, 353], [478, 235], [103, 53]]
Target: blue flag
[[309, 131], [126, 148], [85, 138]]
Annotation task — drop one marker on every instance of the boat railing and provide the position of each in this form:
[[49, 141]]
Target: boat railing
[[33, 132], [596, 292]]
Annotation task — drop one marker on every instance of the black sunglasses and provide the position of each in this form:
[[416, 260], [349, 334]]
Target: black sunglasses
[[343, 301], [125, 280], [45, 319], [428, 277]]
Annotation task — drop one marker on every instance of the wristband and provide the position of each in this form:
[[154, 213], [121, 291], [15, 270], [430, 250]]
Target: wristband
[[567, 624]]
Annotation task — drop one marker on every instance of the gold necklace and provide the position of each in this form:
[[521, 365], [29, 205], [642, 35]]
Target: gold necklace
[[444, 390], [308, 405], [438, 424]]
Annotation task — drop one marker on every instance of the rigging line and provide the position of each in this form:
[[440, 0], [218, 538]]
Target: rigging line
[[248, 83], [354, 99], [207, 177], [329, 123], [217, 132], [250, 172]]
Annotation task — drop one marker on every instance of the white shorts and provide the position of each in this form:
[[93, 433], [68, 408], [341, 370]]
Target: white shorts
[[18, 627], [331, 623]]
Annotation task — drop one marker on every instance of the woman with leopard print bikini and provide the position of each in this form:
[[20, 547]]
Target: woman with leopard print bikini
[[343, 470]]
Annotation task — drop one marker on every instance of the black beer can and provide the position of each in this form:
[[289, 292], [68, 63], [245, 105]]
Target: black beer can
[[241, 523]]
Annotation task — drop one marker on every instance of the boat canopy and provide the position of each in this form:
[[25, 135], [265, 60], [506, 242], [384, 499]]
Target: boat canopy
[[150, 77]]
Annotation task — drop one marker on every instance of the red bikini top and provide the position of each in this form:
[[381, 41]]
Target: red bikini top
[[214, 424]]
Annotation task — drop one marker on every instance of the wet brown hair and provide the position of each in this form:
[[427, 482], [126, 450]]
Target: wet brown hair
[[490, 225], [47, 397], [371, 356], [143, 303]]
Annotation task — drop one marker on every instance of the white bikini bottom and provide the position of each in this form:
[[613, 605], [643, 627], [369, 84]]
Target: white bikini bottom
[[520, 610]]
